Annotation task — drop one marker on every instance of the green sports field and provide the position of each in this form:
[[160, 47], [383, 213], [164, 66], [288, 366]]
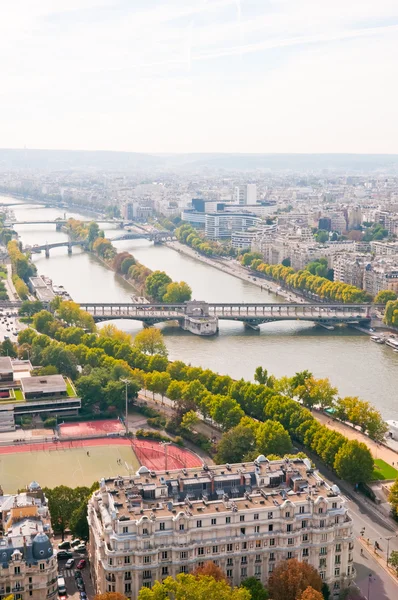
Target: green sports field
[[68, 466]]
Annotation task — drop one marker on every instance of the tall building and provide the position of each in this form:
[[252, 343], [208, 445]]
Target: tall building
[[244, 517], [28, 567], [246, 194]]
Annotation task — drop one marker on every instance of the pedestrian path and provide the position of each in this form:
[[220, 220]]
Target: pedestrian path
[[67, 573]]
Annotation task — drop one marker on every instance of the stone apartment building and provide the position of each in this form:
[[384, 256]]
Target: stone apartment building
[[28, 567], [244, 517]]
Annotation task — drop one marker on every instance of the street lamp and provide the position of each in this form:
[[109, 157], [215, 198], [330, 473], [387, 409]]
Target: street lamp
[[388, 538], [369, 580], [126, 382]]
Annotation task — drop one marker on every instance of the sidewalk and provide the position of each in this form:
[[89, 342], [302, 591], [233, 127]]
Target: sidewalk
[[377, 556]]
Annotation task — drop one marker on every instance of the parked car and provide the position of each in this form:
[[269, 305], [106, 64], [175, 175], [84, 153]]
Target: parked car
[[80, 585], [62, 554], [75, 542], [78, 575], [81, 548], [62, 597], [69, 563], [81, 564], [64, 546], [83, 596]]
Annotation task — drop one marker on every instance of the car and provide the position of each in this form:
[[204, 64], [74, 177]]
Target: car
[[81, 564], [62, 554], [80, 585], [69, 563], [75, 542], [83, 596], [62, 597], [81, 548], [78, 575], [64, 546]]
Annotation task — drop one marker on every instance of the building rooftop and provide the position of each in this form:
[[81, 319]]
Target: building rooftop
[[48, 383], [5, 364]]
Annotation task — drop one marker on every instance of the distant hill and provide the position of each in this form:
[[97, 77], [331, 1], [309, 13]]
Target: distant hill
[[130, 161]]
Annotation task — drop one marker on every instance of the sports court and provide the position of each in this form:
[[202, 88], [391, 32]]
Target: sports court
[[163, 457], [85, 429]]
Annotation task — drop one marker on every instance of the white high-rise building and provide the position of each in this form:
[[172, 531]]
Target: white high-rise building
[[246, 194]]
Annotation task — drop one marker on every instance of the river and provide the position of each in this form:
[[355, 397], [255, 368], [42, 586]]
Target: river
[[351, 361]]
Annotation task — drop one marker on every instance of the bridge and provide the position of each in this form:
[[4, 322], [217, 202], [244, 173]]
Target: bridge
[[252, 314], [37, 248], [59, 223]]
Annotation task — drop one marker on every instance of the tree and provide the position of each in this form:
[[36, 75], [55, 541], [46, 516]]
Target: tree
[[272, 438], [30, 308], [393, 498], [93, 232], [393, 560], [7, 348], [310, 594], [290, 578], [189, 587], [60, 358], [78, 522], [210, 569], [189, 419], [226, 411], [62, 502], [354, 462], [156, 284], [177, 292], [126, 264], [150, 341], [160, 383], [236, 444], [385, 296], [256, 588], [42, 321], [261, 375]]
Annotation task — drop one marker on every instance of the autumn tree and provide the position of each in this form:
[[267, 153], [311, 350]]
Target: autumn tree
[[191, 587], [110, 596], [210, 569], [310, 594], [150, 341], [290, 578]]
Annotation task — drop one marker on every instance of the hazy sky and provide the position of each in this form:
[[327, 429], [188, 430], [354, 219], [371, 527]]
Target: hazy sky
[[200, 75]]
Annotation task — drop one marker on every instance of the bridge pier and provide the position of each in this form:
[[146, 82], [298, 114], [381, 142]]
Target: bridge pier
[[69, 248], [58, 226], [47, 251]]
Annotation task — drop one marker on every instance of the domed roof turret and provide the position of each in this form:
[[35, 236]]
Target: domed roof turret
[[33, 486], [41, 547]]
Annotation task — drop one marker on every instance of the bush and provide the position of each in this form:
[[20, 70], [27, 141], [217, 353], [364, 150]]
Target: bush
[[50, 423], [147, 411], [158, 422], [178, 440], [152, 435]]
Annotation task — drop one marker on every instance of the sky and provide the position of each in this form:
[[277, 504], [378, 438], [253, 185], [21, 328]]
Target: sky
[[200, 75]]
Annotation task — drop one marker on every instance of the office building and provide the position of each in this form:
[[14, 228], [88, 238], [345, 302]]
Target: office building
[[246, 194], [244, 517]]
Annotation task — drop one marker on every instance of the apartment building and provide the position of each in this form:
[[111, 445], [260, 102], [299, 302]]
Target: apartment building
[[350, 268], [381, 275], [28, 567], [220, 226], [245, 517]]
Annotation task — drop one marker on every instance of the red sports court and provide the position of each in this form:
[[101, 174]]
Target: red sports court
[[91, 428], [162, 457]]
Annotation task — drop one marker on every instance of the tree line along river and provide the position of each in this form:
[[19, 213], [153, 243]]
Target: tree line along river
[[351, 361]]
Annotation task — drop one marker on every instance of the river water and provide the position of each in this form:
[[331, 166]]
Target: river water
[[351, 361]]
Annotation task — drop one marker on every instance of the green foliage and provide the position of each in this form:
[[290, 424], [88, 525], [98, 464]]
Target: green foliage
[[156, 285], [20, 287], [256, 588], [186, 234], [385, 296], [177, 292], [21, 266], [272, 438], [62, 502], [391, 313], [393, 560], [354, 462], [191, 587], [383, 470], [7, 348], [150, 341], [236, 445], [50, 423], [29, 308], [393, 499]]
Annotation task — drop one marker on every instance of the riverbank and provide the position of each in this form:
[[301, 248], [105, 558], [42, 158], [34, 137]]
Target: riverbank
[[232, 267]]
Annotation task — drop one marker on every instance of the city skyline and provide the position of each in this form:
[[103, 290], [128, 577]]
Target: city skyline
[[237, 76]]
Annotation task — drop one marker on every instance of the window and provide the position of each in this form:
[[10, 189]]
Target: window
[[337, 572], [243, 572], [303, 524], [243, 530], [324, 537], [242, 518], [126, 560], [127, 587], [111, 588], [348, 570], [162, 526], [17, 570], [229, 573], [272, 542], [110, 561], [183, 569], [323, 550], [164, 554], [257, 529], [270, 568], [125, 529], [230, 562], [229, 547], [258, 557], [320, 510], [198, 523], [270, 515], [338, 547], [42, 566], [334, 504], [201, 551], [287, 515], [244, 545], [289, 555], [337, 559], [147, 575], [165, 570], [183, 555], [270, 527], [257, 570], [227, 520], [304, 537], [147, 560], [305, 552], [146, 584], [215, 549], [243, 560], [290, 541], [301, 510], [214, 521], [322, 523], [322, 563], [336, 585], [256, 516], [145, 532], [323, 575], [336, 519], [182, 526], [289, 528], [272, 556], [258, 543]]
